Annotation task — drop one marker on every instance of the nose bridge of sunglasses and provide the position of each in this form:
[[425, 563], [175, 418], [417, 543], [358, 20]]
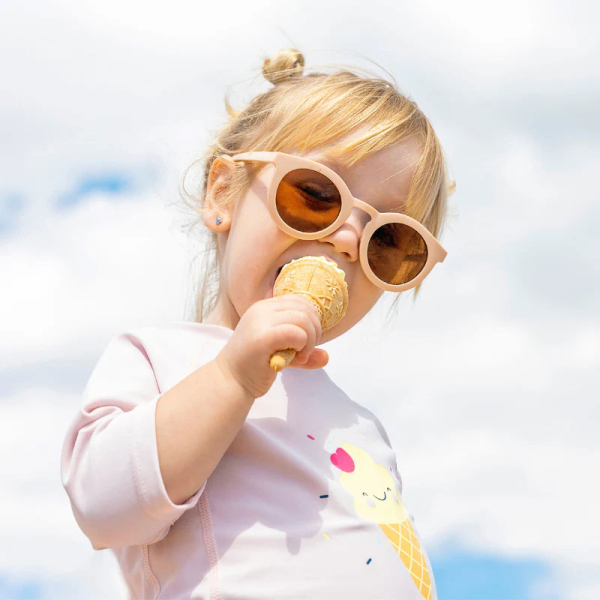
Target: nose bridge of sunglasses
[[356, 221], [364, 209]]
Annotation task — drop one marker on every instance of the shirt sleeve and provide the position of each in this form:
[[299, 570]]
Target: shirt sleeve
[[109, 461]]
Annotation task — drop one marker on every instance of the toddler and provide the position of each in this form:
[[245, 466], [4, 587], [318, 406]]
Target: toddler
[[207, 473]]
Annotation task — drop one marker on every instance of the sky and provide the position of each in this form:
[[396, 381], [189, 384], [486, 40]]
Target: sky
[[485, 384]]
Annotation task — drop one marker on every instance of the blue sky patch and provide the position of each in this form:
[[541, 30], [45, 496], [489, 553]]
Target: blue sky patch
[[13, 589], [467, 576], [111, 184]]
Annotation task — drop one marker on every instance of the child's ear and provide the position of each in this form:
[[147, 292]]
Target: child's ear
[[217, 185]]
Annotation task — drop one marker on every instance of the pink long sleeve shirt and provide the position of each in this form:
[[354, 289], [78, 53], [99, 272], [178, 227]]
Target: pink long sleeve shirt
[[305, 503]]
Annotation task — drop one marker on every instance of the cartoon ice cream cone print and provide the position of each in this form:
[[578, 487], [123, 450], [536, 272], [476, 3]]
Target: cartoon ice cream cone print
[[377, 500], [405, 542]]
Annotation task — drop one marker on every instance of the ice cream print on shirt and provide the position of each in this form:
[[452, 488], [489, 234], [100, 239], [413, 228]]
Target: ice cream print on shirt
[[377, 500]]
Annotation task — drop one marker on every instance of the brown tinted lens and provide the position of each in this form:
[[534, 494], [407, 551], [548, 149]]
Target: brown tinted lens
[[308, 201], [397, 253]]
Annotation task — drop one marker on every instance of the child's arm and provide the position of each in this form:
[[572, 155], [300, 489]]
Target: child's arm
[[110, 466], [196, 421]]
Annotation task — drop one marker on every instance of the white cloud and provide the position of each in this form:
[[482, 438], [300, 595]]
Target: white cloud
[[41, 543], [101, 263]]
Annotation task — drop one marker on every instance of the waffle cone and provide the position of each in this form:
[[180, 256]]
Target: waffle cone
[[323, 283], [404, 540]]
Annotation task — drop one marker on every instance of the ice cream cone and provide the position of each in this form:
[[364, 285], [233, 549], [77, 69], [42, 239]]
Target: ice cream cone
[[405, 542], [323, 283]]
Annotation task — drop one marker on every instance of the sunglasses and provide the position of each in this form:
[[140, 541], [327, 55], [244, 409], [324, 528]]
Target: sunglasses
[[307, 200]]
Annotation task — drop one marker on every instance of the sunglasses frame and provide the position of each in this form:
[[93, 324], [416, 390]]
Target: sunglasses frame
[[285, 163]]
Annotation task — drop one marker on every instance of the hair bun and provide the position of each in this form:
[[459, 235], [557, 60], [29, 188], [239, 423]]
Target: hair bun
[[283, 66]]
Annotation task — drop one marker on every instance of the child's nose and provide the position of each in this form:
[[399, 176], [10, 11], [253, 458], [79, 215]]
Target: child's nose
[[346, 238]]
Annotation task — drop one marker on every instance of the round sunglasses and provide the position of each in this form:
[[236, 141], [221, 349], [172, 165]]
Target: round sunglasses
[[307, 200]]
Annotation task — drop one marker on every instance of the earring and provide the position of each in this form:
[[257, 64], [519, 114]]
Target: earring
[[219, 220]]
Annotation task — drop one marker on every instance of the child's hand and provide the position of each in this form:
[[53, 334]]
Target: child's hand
[[288, 321]]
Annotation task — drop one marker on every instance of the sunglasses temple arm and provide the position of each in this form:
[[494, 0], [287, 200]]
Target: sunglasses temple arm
[[248, 157]]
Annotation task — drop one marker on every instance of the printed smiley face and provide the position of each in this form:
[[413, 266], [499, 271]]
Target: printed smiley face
[[376, 498]]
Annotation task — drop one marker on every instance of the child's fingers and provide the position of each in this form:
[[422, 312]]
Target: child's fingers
[[300, 319], [291, 301]]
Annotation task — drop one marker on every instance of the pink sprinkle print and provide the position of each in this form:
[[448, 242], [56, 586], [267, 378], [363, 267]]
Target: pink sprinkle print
[[310, 436]]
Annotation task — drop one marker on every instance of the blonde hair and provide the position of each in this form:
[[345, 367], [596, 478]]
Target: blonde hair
[[306, 112]]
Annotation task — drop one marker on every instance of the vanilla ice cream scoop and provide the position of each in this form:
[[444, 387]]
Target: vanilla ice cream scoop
[[323, 283]]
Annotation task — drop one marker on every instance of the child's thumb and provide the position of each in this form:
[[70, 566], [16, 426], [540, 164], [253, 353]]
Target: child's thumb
[[317, 359]]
